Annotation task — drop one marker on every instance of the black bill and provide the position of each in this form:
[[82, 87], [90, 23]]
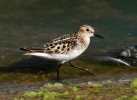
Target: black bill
[[98, 36]]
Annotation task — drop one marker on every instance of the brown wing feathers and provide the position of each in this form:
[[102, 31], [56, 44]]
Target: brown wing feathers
[[60, 45]]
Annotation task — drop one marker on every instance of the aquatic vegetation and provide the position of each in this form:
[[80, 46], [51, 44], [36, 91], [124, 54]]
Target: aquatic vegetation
[[48, 96], [64, 95], [134, 97], [40, 94], [52, 86], [134, 84], [31, 94], [53, 95], [45, 94], [18, 99], [78, 97], [75, 89], [124, 97]]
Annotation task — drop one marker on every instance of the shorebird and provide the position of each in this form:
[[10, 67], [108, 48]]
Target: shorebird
[[66, 47]]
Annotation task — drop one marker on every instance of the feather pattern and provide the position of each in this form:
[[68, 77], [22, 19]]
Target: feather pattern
[[60, 45]]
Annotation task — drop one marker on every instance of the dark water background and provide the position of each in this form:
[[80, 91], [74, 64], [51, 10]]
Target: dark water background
[[32, 23]]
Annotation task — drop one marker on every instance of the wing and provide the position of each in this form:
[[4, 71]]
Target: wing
[[60, 45]]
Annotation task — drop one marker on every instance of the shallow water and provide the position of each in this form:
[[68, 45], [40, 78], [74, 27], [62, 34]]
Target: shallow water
[[33, 23]]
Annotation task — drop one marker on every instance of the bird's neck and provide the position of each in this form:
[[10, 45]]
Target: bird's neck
[[84, 39]]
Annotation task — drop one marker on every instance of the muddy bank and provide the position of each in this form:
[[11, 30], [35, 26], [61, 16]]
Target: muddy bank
[[115, 79], [8, 91]]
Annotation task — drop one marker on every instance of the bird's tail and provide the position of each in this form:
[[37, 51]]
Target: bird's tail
[[25, 49], [32, 50]]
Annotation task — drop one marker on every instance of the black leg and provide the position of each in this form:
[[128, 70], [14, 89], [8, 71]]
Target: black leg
[[58, 78], [85, 69]]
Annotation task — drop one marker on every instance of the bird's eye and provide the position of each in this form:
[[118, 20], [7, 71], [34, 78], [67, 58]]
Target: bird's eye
[[87, 29]]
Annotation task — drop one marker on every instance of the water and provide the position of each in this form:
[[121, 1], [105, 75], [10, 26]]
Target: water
[[33, 23]]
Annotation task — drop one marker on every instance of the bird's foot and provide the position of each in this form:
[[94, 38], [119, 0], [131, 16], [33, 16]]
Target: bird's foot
[[90, 70]]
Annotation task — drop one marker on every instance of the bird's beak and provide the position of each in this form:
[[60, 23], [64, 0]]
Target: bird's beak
[[97, 35]]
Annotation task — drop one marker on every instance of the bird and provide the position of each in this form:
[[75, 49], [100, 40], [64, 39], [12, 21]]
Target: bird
[[66, 47]]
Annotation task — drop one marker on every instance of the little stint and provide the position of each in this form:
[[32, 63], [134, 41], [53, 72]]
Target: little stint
[[66, 47]]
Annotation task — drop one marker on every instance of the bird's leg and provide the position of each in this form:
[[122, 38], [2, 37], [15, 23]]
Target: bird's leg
[[85, 69], [58, 78]]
